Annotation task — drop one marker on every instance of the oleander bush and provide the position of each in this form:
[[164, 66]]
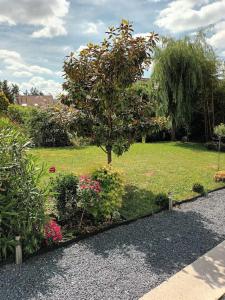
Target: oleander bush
[[22, 202]]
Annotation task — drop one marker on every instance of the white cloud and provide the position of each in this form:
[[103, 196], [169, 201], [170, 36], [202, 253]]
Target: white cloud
[[49, 15], [46, 86], [189, 15], [15, 63], [218, 38], [182, 15], [59, 73], [22, 74], [91, 27], [92, 2]]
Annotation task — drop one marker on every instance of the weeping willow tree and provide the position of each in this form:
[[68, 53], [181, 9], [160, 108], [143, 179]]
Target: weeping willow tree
[[184, 72], [176, 75]]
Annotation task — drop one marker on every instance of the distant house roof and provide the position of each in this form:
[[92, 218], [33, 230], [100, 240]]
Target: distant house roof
[[35, 100], [144, 79]]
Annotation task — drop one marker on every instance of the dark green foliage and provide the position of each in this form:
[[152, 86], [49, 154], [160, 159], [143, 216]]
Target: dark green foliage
[[198, 188], [162, 200], [46, 129], [4, 103], [11, 91], [64, 188], [112, 190], [215, 146], [22, 202], [34, 92]]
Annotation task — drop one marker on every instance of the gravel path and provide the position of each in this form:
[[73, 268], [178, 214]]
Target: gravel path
[[122, 263]]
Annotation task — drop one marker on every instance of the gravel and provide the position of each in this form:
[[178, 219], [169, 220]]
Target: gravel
[[124, 262]]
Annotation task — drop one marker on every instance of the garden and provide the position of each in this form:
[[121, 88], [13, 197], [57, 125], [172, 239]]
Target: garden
[[114, 148]]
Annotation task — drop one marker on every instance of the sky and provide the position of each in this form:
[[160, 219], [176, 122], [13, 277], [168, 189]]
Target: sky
[[36, 35]]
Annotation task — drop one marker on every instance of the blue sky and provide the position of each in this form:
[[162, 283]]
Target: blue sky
[[36, 35]]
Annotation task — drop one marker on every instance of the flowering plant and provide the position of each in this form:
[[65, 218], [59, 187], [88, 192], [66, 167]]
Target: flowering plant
[[86, 183], [52, 232], [88, 194]]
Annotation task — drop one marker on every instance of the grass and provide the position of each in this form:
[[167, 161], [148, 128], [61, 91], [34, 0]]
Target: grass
[[148, 169]]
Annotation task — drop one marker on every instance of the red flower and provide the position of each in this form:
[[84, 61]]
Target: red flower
[[52, 169], [53, 232]]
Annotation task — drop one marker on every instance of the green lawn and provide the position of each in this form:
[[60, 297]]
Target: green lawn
[[147, 169]]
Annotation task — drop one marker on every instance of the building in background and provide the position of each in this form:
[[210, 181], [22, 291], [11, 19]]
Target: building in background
[[43, 101]]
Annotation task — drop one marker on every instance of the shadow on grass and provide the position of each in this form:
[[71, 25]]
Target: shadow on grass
[[137, 202], [192, 146], [65, 148]]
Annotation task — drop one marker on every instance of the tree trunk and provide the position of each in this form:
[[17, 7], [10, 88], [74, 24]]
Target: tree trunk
[[219, 147], [173, 130], [143, 138], [109, 153]]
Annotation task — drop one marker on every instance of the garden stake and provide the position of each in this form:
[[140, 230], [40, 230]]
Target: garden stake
[[170, 201], [18, 251]]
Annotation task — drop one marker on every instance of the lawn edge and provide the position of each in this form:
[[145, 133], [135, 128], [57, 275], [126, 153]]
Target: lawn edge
[[109, 227]]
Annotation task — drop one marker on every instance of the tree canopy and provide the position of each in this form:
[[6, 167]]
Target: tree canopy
[[97, 83], [10, 90], [185, 76]]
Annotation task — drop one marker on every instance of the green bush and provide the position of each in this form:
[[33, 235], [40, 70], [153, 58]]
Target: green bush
[[19, 114], [64, 188], [215, 146], [162, 200], [22, 202], [47, 129], [112, 190], [4, 102], [198, 188]]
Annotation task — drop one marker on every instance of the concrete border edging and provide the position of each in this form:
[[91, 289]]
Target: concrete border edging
[[204, 279]]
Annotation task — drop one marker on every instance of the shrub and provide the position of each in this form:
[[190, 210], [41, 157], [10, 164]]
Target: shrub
[[198, 188], [19, 114], [65, 189], [22, 202], [215, 146], [162, 200], [112, 190], [89, 199], [4, 102], [219, 130], [47, 129], [220, 176]]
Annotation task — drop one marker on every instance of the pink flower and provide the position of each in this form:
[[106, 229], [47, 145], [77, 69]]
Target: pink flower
[[86, 183], [53, 232]]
